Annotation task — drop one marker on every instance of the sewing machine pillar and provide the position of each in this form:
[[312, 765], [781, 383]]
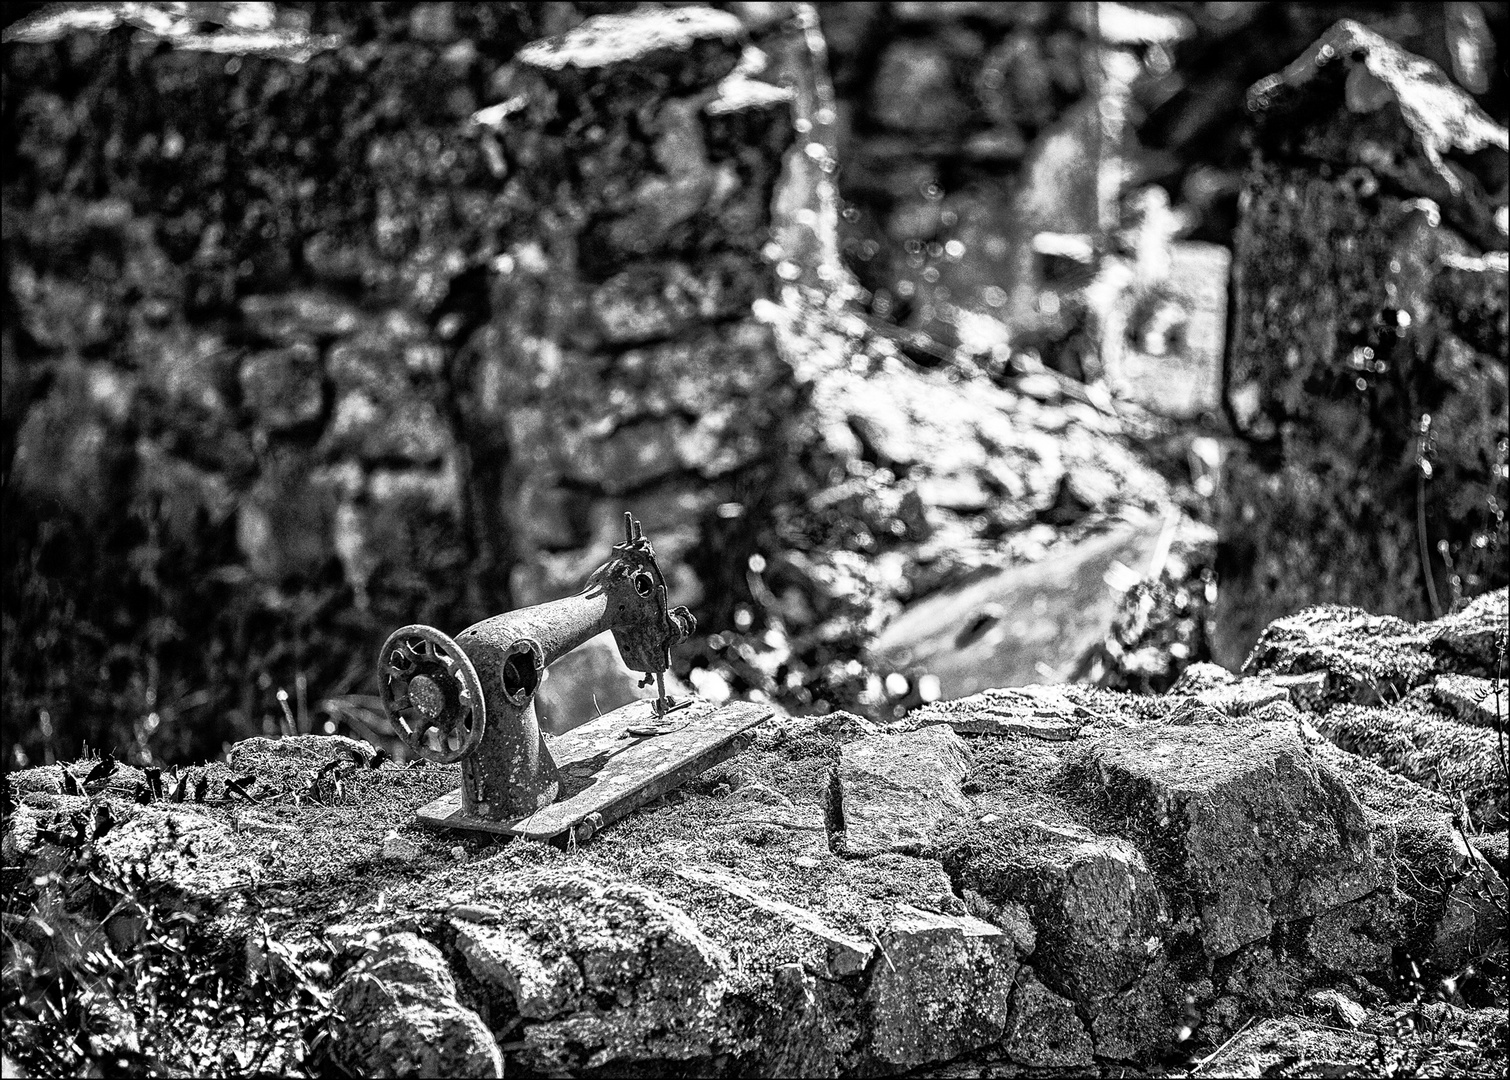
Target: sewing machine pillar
[[511, 773]]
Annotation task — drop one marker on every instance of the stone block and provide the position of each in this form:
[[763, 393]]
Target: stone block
[[400, 1016], [1044, 1030], [62, 315], [70, 451], [1353, 938], [942, 987], [661, 300], [187, 498], [1367, 658], [1473, 919], [914, 89], [613, 971], [1417, 741], [1241, 827], [190, 369], [1473, 640], [305, 315], [688, 49], [284, 524], [283, 388], [1137, 1023], [1469, 699], [1098, 914], [895, 791], [386, 430]]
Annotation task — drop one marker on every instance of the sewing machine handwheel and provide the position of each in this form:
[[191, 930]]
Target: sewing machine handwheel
[[431, 693]]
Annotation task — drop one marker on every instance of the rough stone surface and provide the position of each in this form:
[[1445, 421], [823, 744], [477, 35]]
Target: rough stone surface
[[1045, 1030], [401, 1016], [611, 970], [1134, 885], [1242, 823], [1367, 658], [941, 987], [1469, 700], [895, 790], [1417, 699], [1363, 374], [1430, 746]]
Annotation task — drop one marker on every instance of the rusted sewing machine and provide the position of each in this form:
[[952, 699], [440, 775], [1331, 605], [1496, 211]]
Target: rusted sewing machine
[[472, 700]]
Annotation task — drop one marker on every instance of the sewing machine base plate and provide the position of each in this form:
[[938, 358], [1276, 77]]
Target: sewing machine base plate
[[617, 763]]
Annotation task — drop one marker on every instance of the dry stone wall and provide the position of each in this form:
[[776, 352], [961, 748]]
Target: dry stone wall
[[1367, 372], [1037, 877], [965, 132], [462, 285], [398, 320]]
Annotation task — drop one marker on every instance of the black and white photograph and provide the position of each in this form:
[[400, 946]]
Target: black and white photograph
[[958, 541]]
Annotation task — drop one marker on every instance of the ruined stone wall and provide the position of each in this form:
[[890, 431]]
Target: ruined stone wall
[[297, 350], [1367, 372], [971, 134], [406, 346], [965, 130]]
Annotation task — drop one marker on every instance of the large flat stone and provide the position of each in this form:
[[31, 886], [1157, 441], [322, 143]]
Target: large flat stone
[[1024, 624]]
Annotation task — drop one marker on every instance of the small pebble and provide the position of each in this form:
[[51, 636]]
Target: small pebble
[[807, 862], [399, 847]]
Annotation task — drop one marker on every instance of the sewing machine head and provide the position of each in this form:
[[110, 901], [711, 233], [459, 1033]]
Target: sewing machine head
[[472, 699]]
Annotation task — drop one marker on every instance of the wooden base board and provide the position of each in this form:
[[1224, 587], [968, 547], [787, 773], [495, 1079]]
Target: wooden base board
[[609, 767]]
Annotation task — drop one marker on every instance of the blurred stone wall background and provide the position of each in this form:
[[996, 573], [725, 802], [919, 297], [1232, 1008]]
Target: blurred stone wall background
[[966, 130], [376, 319], [296, 351]]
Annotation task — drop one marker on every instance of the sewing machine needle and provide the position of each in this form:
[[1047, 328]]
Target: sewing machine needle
[[661, 704]]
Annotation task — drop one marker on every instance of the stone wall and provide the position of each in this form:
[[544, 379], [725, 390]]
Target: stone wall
[[998, 160], [966, 130], [1367, 372], [382, 319], [405, 346], [1043, 877]]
